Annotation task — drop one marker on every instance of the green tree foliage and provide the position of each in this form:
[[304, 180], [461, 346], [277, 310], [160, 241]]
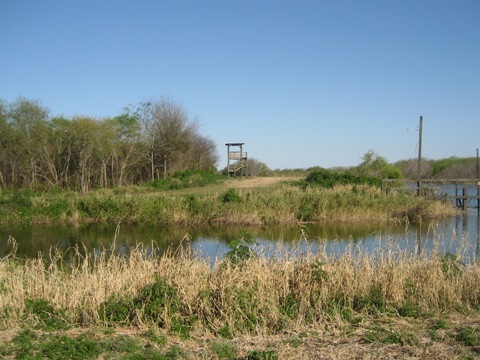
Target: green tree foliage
[[327, 178], [375, 165], [448, 168], [257, 168], [371, 171], [25, 136], [145, 142], [171, 140], [454, 168]]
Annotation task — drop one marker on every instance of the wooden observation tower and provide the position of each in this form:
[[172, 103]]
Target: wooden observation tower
[[237, 159]]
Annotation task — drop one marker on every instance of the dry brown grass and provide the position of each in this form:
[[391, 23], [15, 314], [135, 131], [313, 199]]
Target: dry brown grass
[[337, 303], [313, 282]]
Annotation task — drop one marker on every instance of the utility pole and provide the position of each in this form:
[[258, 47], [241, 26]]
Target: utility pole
[[419, 165], [478, 170], [478, 196]]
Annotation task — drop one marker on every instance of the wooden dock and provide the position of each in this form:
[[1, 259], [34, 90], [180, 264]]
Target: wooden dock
[[463, 193]]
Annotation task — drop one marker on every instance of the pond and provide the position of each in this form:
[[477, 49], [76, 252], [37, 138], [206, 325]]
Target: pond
[[212, 242]]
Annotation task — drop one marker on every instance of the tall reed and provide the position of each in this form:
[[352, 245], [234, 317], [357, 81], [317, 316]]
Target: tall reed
[[247, 207], [258, 295]]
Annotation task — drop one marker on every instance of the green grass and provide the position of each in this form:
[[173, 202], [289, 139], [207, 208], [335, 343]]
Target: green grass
[[224, 350], [469, 336], [386, 336], [217, 205], [29, 344]]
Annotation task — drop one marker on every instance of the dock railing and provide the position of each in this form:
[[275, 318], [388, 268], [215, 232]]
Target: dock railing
[[463, 193]]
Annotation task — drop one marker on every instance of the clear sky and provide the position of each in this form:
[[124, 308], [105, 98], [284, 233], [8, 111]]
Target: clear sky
[[301, 83]]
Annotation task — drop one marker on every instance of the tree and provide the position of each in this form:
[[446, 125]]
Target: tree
[[127, 149], [257, 168], [172, 139], [143, 143], [409, 168], [175, 133], [4, 136], [28, 135], [376, 165]]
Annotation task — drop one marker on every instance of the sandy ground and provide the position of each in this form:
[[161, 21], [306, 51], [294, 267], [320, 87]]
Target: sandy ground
[[258, 182]]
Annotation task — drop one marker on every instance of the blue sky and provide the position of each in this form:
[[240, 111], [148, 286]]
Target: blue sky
[[301, 83]]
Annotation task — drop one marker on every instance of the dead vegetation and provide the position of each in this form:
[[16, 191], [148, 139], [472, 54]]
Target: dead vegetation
[[391, 303]]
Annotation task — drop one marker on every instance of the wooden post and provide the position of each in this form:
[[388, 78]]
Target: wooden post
[[457, 201], [477, 252], [465, 198], [478, 184], [419, 165]]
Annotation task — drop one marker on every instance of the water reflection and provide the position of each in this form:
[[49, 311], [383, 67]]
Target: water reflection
[[212, 242], [477, 248]]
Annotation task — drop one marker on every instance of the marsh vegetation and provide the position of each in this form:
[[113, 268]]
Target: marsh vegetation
[[179, 305]]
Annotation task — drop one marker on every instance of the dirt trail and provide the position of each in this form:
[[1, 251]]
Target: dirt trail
[[258, 182]]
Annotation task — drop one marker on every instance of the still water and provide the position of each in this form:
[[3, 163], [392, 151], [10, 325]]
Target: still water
[[212, 242]]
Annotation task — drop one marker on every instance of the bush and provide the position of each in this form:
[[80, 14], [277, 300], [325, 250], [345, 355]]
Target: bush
[[46, 316], [328, 179], [230, 196], [157, 303], [187, 179]]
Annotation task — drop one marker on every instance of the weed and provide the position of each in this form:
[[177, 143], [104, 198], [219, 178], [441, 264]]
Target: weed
[[410, 287], [451, 265], [30, 345], [240, 250], [385, 336], [120, 344], [148, 354], [64, 347], [262, 355], [181, 326], [410, 309], [306, 212], [246, 310], [230, 196], [224, 350], [225, 332], [440, 324], [373, 301], [117, 309], [295, 343], [109, 331], [348, 315], [328, 179], [187, 179], [46, 316], [318, 272], [152, 336], [289, 307], [468, 336], [175, 353], [24, 343], [157, 303], [155, 299], [193, 204]]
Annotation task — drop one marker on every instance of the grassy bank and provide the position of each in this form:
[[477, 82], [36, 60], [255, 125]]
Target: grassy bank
[[286, 204], [247, 306]]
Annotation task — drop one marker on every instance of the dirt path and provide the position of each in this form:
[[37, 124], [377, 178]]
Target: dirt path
[[258, 182]]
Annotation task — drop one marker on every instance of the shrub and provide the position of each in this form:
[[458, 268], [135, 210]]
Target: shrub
[[187, 179], [230, 196], [328, 179], [240, 250], [47, 317]]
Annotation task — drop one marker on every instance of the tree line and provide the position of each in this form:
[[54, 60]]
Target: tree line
[[148, 141], [451, 168]]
